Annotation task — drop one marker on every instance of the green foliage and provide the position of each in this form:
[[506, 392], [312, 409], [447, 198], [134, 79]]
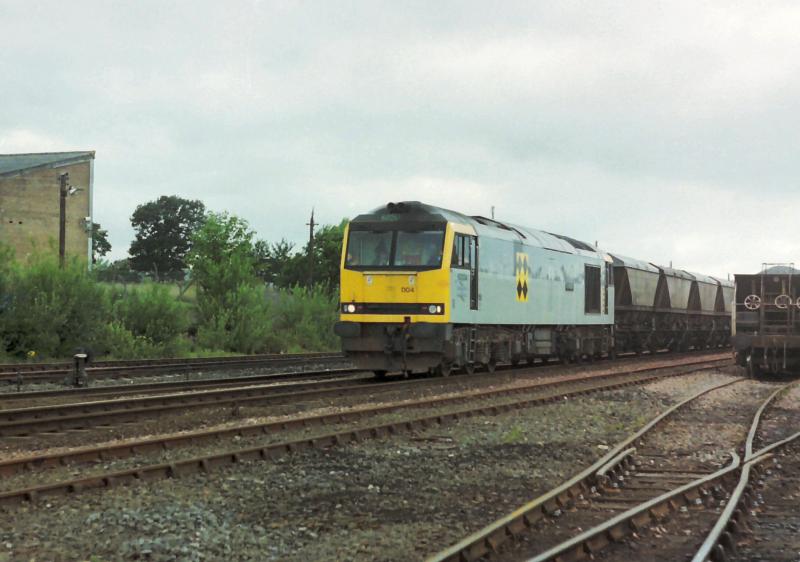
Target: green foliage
[[280, 265], [222, 256], [232, 311], [153, 314], [164, 231], [116, 271], [243, 324], [514, 435], [120, 343], [50, 310], [100, 244], [305, 318], [227, 304], [327, 254]]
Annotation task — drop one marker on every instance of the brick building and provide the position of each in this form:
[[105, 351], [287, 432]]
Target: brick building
[[30, 202]]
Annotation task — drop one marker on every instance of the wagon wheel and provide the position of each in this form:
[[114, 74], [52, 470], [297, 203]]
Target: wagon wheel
[[783, 301], [753, 368], [469, 368], [798, 302], [752, 302], [491, 366]]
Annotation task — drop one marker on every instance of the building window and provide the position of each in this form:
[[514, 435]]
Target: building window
[[592, 286]]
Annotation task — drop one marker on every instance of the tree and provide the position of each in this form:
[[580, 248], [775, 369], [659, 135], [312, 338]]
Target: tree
[[222, 239], [233, 312], [164, 231], [273, 261], [100, 243], [278, 264], [327, 254]]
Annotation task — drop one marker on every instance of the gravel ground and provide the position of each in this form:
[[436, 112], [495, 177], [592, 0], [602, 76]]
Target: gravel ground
[[697, 439], [729, 414], [397, 499], [781, 420], [775, 521], [709, 428], [34, 478]]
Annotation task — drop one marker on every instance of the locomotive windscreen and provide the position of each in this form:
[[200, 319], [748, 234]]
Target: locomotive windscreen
[[400, 248]]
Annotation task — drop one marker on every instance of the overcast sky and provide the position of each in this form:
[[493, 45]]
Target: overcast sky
[[665, 131]]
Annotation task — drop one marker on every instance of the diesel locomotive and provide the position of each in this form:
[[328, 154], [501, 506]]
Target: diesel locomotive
[[429, 289], [766, 328]]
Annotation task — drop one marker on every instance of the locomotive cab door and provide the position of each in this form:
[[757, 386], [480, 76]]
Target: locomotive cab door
[[465, 266], [473, 272]]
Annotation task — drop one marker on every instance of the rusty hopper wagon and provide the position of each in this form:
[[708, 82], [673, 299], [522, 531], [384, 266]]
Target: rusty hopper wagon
[[766, 321]]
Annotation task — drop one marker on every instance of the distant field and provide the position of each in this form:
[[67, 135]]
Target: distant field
[[190, 295]]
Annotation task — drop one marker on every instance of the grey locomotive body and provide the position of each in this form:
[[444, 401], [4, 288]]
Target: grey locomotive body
[[425, 288]]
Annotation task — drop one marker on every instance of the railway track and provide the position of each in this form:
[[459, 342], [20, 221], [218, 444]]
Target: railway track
[[537, 392], [30, 421], [26, 373], [632, 488], [172, 386]]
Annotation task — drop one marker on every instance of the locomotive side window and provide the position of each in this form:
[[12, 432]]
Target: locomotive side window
[[458, 251], [592, 286], [463, 251]]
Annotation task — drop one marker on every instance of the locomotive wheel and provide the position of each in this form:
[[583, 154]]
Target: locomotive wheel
[[491, 366], [443, 369]]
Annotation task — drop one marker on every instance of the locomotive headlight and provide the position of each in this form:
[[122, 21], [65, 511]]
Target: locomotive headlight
[[433, 309], [351, 308], [438, 309]]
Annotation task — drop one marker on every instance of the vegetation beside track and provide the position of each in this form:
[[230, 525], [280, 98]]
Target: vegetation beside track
[[51, 312]]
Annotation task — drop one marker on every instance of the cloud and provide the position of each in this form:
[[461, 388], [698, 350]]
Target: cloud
[[24, 140], [666, 130]]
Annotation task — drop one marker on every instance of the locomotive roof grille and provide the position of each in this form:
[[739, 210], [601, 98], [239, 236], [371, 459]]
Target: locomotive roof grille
[[575, 243]]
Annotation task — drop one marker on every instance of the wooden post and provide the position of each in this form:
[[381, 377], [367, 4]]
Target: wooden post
[[62, 219]]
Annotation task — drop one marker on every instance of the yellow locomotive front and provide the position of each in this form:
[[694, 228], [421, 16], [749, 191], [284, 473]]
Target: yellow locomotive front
[[395, 285]]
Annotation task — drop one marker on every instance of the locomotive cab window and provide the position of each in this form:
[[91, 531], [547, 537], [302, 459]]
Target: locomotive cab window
[[419, 248], [369, 249], [390, 248], [592, 286]]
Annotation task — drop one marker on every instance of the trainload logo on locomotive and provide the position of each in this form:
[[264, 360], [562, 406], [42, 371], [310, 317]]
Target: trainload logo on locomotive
[[521, 273]]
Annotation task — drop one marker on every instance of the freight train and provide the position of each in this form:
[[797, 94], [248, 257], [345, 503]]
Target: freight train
[[428, 289], [766, 328]]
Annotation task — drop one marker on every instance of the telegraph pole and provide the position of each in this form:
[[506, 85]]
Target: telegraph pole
[[311, 224], [62, 219]]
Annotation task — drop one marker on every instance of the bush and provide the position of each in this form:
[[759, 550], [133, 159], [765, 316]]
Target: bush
[[51, 310], [120, 343], [153, 313], [305, 319]]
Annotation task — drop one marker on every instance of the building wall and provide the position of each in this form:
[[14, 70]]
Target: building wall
[[29, 211]]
